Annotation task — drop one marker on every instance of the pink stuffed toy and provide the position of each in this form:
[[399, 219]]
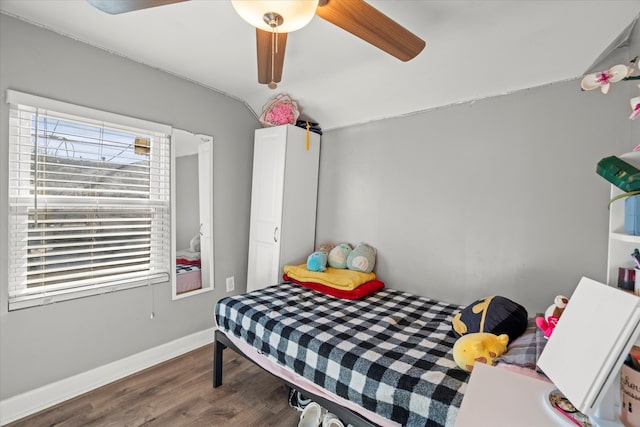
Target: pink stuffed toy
[[548, 323]]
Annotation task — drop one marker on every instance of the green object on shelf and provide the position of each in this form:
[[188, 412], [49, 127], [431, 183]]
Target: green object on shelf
[[620, 173]]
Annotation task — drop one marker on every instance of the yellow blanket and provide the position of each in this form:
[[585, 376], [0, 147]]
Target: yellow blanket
[[334, 277]]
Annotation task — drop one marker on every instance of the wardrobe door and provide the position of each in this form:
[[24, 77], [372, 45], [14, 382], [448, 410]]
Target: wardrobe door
[[266, 208]]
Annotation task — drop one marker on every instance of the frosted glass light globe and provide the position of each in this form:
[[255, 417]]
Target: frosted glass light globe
[[295, 13]]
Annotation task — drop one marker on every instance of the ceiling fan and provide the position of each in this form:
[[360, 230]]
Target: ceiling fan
[[274, 19]]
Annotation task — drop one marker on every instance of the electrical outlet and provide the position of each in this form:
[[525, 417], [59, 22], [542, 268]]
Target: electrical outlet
[[230, 284]]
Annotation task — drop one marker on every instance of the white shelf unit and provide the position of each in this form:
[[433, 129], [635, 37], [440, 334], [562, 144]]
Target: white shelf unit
[[621, 244]]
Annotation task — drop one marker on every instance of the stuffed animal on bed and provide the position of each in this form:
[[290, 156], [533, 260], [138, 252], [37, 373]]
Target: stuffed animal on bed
[[326, 248], [485, 327], [482, 347], [494, 314], [194, 244], [551, 316], [339, 254], [317, 261], [362, 258]]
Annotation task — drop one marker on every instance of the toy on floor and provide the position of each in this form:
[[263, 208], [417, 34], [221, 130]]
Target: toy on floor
[[551, 316]]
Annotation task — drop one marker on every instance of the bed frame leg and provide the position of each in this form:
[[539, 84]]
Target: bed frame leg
[[217, 361]]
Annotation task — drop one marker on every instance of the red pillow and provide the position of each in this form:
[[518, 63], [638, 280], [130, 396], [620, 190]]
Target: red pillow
[[359, 292]]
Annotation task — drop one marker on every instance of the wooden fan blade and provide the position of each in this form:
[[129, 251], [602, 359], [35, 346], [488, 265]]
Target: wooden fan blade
[[372, 26], [115, 7], [263, 44]]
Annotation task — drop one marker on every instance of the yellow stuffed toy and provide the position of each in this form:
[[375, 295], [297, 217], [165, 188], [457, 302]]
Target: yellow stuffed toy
[[504, 320], [480, 347]]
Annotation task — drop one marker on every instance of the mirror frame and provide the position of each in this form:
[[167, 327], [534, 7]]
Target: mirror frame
[[184, 143]]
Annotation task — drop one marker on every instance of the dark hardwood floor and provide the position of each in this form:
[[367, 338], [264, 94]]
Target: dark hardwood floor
[[179, 392]]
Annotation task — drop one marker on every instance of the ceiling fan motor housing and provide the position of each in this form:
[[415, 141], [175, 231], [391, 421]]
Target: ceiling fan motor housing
[[273, 19]]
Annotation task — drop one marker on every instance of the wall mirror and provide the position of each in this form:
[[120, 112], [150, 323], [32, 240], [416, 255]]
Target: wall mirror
[[192, 213]]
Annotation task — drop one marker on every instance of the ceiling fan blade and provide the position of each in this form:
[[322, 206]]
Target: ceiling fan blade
[[263, 44], [372, 26], [115, 7]]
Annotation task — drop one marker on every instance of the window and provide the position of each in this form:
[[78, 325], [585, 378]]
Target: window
[[89, 201]]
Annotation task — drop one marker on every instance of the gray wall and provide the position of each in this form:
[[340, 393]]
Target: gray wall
[[187, 203], [498, 196], [44, 344]]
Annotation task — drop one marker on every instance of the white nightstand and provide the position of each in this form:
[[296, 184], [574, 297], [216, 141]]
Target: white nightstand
[[583, 359], [500, 398]]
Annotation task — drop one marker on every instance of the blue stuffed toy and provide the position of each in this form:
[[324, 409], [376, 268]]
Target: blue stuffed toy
[[317, 261], [338, 255], [362, 258]]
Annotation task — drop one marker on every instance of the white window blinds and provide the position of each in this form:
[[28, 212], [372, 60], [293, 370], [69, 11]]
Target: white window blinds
[[89, 201]]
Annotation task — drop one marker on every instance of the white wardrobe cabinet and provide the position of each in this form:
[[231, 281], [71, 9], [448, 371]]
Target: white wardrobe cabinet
[[283, 202]]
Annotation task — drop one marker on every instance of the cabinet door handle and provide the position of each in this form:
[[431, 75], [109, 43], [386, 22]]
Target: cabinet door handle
[[275, 234]]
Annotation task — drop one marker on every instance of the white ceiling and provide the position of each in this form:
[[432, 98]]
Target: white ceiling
[[474, 49]]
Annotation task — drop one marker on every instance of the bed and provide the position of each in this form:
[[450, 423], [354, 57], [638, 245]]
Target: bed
[[383, 360], [188, 270], [188, 277]]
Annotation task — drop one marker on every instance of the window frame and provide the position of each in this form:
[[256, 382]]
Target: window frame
[[48, 294]]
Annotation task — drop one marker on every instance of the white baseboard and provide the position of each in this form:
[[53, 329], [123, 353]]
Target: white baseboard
[[30, 402]]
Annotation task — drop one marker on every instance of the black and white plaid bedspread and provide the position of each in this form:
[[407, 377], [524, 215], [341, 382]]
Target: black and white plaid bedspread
[[185, 268], [389, 352]]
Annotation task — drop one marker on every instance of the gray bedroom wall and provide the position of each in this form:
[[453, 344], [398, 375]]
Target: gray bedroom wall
[[187, 205], [497, 196], [41, 345]]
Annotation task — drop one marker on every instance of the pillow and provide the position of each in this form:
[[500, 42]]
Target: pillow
[[194, 244], [338, 255], [497, 315], [362, 258], [525, 350], [360, 292]]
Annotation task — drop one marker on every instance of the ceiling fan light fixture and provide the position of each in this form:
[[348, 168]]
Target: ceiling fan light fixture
[[295, 14]]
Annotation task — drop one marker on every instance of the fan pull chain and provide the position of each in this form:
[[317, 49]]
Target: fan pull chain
[[273, 20], [274, 50]]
